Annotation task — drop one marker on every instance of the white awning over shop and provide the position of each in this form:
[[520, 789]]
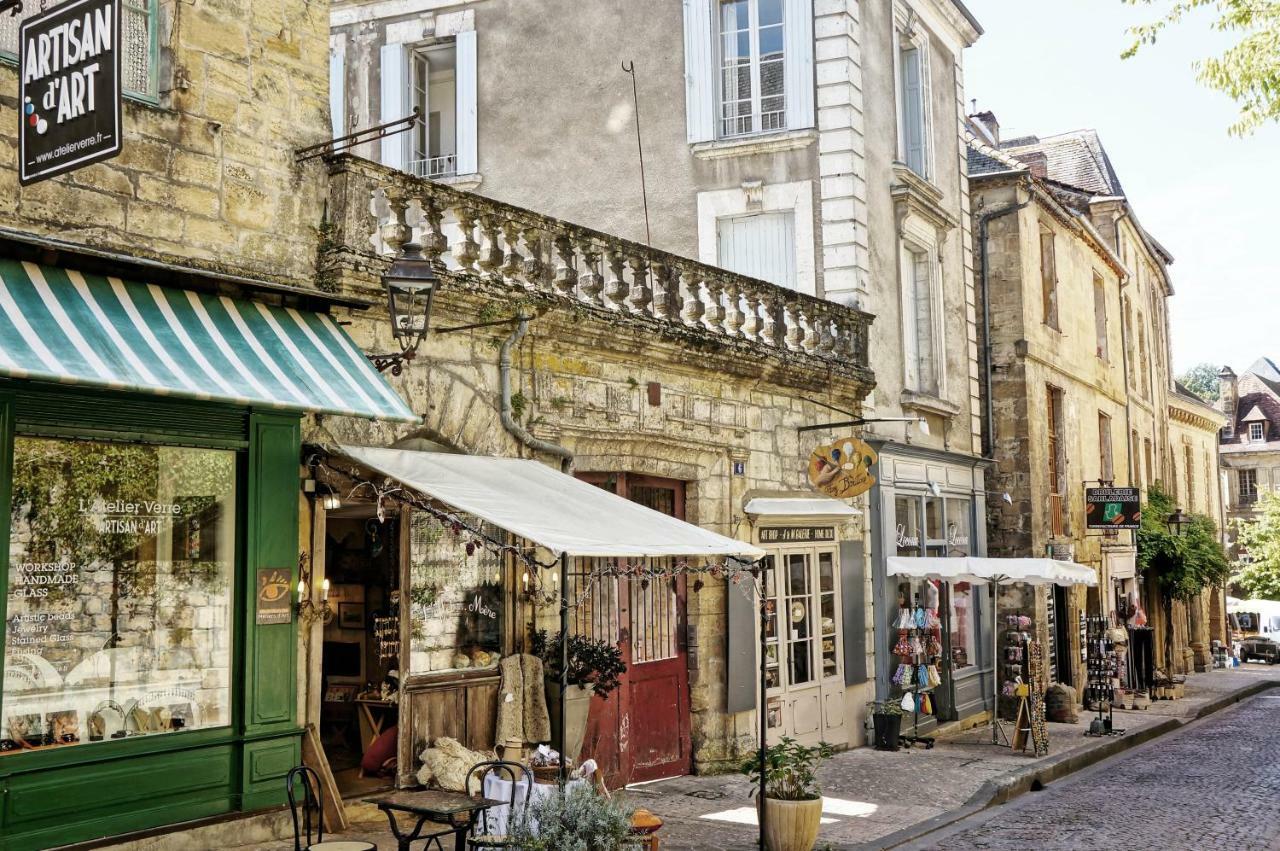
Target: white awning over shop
[[798, 506], [547, 507], [1033, 571]]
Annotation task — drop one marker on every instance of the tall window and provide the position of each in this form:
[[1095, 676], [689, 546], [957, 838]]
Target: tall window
[[1256, 432], [1247, 486], [433, 92], [121, 576], [762, 245], [752, 89], [1129, 338], [920, 330], [1135, 458], [1057, 473], [1189, 474], [1048, 278], [1100, 316], [138, 69], [1144, 367], [914, 108], [1150, 459], [1106, 464]]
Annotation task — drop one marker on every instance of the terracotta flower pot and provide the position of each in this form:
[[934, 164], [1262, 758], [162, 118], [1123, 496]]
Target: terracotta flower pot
[[791, 825]]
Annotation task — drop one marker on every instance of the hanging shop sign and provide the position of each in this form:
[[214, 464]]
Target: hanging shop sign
[[274, 603], [69, 88], [1112, 508], [796, 534], [843, 468]]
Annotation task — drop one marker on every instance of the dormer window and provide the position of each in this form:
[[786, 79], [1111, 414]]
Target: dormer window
[[1257, 432]]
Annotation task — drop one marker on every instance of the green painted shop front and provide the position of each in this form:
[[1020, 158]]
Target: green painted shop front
[[149, 488], [56, 792]]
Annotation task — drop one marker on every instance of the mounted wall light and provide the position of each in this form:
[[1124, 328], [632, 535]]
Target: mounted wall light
[[329, 499], [410, 284], [1178, 522]]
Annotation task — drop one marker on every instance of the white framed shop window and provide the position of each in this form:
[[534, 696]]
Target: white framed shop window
[[439, 79], [748, 67], [762, 231]]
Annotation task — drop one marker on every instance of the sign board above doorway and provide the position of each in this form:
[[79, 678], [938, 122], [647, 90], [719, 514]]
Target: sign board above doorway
[[69, 103], [1112, 508]]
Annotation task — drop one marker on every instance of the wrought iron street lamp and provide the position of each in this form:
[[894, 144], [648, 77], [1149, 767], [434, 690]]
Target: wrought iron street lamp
[[411, 285], [1177, 522]]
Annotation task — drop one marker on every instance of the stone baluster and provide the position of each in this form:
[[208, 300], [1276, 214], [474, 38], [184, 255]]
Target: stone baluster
[[491, 253], [715, 312], [773, 329], [395, 231], [751, 322], [590, 281], [566, 277], [795, 328], [733, 318], [514, 262], [640, 293], [694, 307], [467, 250], [535, 267], [616, 287], [810, 341]]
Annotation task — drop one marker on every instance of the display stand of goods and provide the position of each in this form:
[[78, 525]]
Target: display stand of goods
[[1103, 670], [1013, 660], [919, 652]]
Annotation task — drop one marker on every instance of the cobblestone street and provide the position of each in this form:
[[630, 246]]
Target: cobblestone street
[[1212, 784]]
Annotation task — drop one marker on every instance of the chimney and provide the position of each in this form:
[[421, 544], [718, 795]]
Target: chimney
[[1228, 395], [1035, 161], [986, 121]]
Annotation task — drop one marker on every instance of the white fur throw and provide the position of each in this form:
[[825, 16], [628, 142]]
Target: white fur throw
[[448, 763], [522, 701]]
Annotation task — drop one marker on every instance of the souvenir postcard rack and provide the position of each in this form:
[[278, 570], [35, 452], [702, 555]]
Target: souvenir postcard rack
[[1103, 676]]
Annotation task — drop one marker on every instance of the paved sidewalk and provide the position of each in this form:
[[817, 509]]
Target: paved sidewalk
[[876, 799]]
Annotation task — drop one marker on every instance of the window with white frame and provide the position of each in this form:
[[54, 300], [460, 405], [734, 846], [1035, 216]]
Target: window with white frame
[[1247, 487], [913, 107], [1257, 432], [920, 322], [439, 81], [752, 67], [761, 245], [138, 33]]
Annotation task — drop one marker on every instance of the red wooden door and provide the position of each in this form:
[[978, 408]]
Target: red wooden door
[[641, 732]]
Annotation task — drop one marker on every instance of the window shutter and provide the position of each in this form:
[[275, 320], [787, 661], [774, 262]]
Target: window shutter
[[394, 74], [912, 111], [798, 24], [743, 676], [762, 246], [467, 106], [337, 90], [699, 71], [854, 598]]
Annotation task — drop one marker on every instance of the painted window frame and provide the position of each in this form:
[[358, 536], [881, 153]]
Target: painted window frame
[[1100, 319], [914, 254], [757, 113], [1257, 432], [1049, 280], [795, 198], [911, 38]]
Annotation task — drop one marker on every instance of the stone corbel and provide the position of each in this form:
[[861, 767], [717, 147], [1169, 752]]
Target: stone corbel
[[754, 192]]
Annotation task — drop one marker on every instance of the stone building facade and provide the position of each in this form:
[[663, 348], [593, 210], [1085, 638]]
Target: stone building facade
[[1250, 405], [834, 169]]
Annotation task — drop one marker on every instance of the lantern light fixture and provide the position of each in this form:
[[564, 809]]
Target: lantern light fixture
[[1178, 522]]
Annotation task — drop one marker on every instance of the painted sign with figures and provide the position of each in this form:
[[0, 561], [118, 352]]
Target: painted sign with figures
[[842, 469]]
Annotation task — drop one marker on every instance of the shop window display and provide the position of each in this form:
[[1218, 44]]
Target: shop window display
[[455, 600], [119, 619]]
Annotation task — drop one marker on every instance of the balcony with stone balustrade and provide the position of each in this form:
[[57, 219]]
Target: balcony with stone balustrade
[[490, 249]]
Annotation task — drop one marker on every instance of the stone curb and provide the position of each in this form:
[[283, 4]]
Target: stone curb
[[1003, 789]]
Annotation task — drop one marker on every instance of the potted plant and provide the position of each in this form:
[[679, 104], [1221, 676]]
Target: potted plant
[[886, 717], [594, 668], [792, 802], [579, 817]]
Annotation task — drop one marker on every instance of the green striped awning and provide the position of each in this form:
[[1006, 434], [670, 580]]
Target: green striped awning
[[60, 325]]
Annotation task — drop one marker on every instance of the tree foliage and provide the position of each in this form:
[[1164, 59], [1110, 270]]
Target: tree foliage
[[1202, 380], [1259, 576], [1249, 71], [1184, 564]]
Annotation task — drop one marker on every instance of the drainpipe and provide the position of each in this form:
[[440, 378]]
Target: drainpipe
[[989, 438], [504, 409]]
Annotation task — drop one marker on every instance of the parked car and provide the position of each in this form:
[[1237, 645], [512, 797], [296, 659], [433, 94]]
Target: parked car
[[1261, 648]]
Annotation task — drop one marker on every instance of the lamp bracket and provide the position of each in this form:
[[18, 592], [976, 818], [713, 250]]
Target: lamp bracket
[[394, 361]]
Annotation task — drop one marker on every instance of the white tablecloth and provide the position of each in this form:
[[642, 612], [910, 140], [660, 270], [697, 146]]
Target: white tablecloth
[[498, 789]]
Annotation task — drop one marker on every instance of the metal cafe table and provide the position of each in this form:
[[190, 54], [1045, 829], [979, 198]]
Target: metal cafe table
[[432, 806]]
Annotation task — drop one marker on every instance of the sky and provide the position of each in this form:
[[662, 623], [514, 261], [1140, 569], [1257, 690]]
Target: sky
[[1049, 66]]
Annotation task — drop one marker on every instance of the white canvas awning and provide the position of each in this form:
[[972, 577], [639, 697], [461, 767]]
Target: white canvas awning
[[1033, 571], [547, 507], [799, 506]]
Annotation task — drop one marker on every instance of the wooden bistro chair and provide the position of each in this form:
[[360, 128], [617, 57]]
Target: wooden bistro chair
[[310, 800], [484, 831]]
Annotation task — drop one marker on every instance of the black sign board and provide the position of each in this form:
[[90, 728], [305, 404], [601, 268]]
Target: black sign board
[[1112, 508], [69, 88], [274, 603], [796, 534]]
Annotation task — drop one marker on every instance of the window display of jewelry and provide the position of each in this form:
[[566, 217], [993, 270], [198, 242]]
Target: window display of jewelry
[[1103, 672], [919, 652]]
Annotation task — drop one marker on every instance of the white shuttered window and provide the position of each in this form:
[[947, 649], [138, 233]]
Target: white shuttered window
[[748, 67], [920, 325], [761, 245], [912, 101]]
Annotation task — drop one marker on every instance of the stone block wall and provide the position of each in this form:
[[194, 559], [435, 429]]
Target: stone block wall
[[206, 176]]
